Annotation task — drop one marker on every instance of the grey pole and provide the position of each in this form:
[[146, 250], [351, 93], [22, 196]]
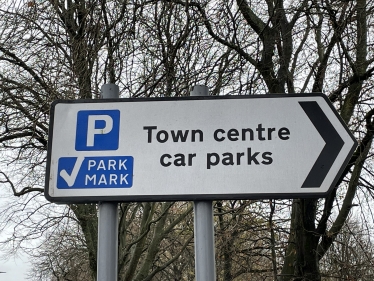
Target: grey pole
[[107, 248], [205, 268]]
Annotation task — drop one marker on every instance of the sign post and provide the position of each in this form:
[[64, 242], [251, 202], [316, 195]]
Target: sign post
[[205, 266], [247, 147], [107, 247]]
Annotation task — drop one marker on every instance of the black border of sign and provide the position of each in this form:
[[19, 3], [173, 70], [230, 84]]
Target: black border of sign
[[188, 197]]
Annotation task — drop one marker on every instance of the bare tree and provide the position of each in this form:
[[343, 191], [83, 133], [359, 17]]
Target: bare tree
[[351, 257], [67, 49]]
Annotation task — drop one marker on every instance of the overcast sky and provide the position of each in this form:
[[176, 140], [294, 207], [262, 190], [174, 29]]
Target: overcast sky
[[15, 269]]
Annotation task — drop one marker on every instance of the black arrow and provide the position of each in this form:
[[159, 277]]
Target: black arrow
[[333, 144]]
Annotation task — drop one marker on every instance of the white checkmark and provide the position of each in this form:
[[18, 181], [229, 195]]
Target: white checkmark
[[70, 179]]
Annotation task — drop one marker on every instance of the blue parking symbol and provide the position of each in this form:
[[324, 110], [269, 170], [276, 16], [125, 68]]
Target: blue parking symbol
[[97, 130]]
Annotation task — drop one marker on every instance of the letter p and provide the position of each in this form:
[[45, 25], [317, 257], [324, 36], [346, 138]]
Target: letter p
[[92, 130], [97, 130]]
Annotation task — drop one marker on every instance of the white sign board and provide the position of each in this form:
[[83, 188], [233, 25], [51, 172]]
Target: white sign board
[[195, 148]]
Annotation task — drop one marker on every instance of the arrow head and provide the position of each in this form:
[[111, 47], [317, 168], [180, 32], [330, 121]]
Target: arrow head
[[330, 151]]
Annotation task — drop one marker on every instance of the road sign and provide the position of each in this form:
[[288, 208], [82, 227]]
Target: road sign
[[195, 148]]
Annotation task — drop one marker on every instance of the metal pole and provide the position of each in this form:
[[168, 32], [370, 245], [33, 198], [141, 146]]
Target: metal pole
[[205, 269], [107, 248]]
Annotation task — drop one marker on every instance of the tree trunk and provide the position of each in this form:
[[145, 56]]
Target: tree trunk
[[301, 262]]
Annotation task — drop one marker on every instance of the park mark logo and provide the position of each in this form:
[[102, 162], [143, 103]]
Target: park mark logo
[[96, 130]]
